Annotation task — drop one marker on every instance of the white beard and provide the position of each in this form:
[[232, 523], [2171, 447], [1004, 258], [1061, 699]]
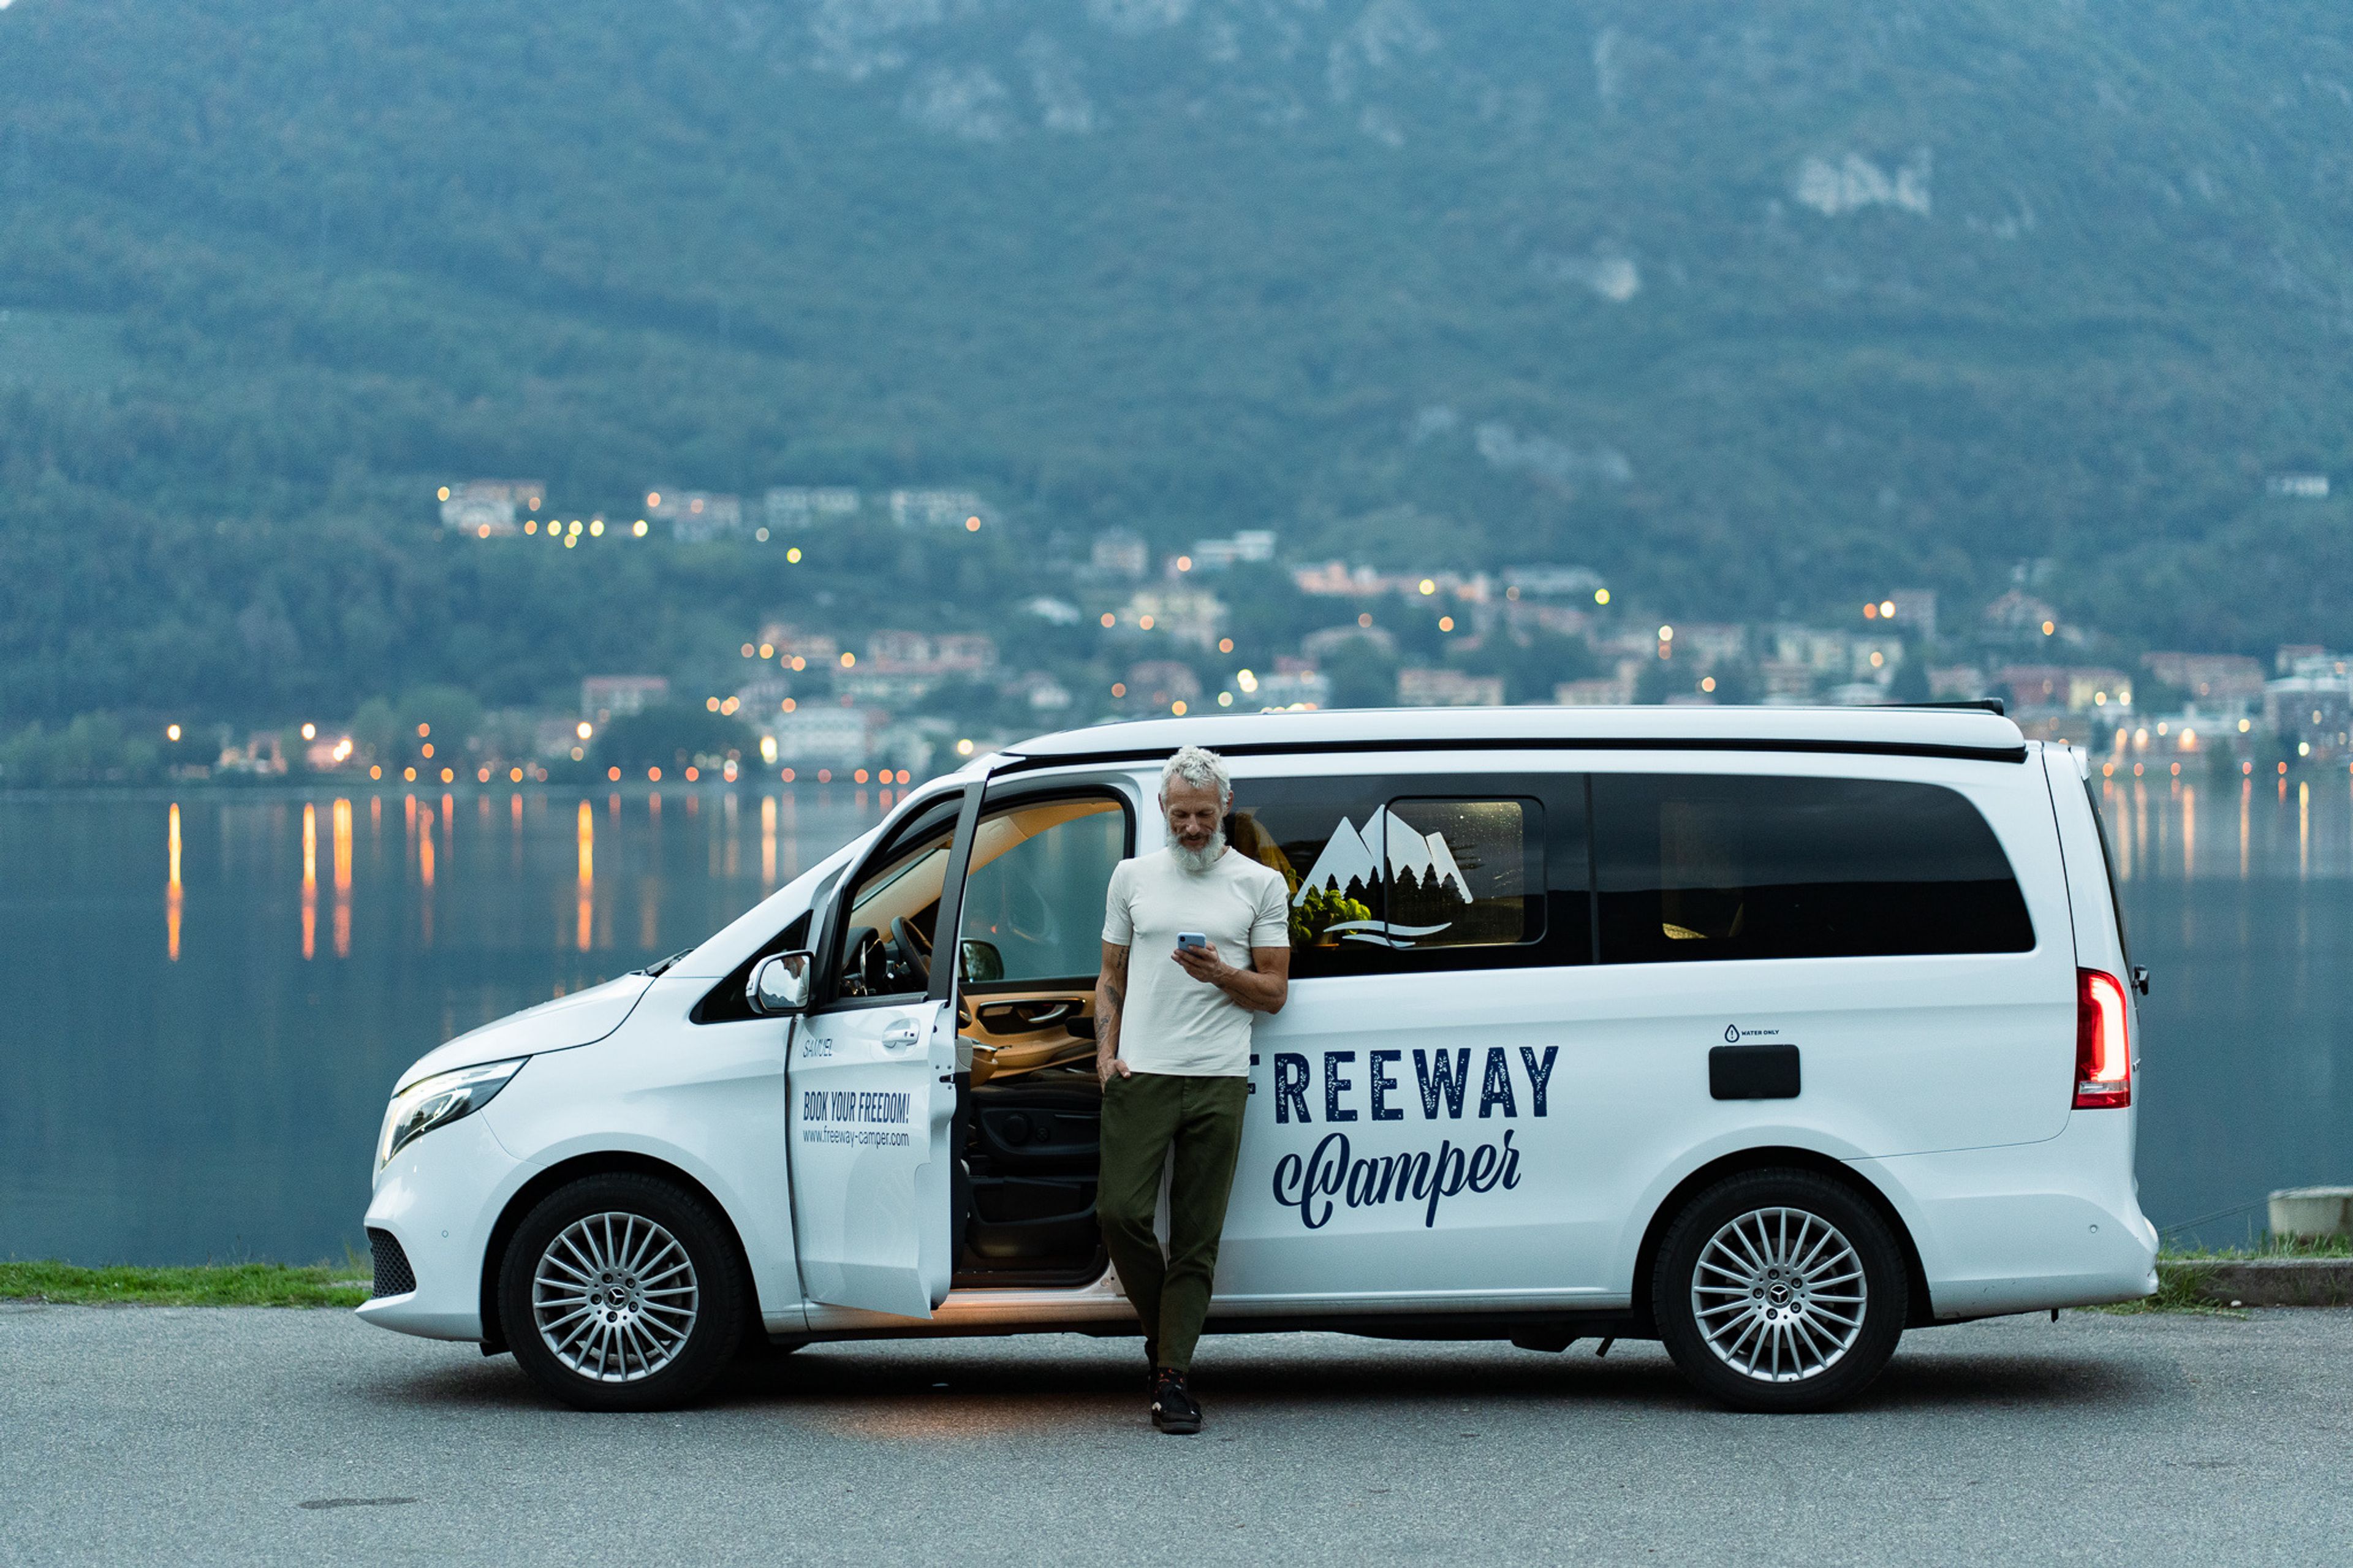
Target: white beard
[[1198, 861]]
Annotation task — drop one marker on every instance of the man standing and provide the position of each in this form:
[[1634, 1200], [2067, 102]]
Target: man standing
[[1173, 1046]]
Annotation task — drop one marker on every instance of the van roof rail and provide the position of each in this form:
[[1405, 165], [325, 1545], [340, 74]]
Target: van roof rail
[[1976, 704]]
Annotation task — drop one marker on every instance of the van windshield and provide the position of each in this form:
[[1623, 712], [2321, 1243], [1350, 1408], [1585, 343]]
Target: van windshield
[[2108, 864]]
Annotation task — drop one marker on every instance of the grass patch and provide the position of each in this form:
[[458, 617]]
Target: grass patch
[[2269, 1246], [209, 1285]]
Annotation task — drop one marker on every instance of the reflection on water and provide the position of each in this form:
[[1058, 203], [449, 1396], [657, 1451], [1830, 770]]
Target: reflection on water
[[212, 1088], [208, 1083]]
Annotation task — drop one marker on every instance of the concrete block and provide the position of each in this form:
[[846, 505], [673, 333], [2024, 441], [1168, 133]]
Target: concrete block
[[2312, 1211]]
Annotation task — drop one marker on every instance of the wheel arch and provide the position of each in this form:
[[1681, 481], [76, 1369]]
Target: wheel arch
[[600, 1162], [1919, 1312]]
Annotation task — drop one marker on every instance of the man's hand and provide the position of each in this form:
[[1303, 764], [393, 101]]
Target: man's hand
[[1107, 1068], [1203, 964], [1111, 998], [1263, 987]]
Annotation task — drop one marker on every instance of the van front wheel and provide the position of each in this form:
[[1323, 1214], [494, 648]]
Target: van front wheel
[[622, 1292], [1779, 1291]]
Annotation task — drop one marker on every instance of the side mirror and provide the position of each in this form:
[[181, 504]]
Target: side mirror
[[982, 962], [780, 982]]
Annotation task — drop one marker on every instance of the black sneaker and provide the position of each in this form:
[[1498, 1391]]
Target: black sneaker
[[1173, 1410]]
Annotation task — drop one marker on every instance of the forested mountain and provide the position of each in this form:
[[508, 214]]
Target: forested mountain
[[1756, 309]]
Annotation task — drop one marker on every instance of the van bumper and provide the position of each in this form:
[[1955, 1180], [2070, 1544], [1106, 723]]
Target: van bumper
[[2030, 1225], [431, 1198]]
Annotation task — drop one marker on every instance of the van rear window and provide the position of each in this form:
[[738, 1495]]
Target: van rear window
[[1694, 867]]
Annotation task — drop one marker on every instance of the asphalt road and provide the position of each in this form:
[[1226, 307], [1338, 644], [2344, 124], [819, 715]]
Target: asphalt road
[[256, 1436]]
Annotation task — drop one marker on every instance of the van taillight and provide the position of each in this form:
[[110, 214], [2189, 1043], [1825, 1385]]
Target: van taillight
[[2103, 1050]]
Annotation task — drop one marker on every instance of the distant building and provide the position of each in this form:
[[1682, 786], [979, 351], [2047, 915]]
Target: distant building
[[1057, 611], [800, 507], [2077, 689], [1040, 691], [696, 517], [1602, 691], [2210, 679], [1188, 614], [1448, 689], [1562, 620], [1956, 683], [1916, 612], [1158, 682], [818, 737], [799, 649], [2314, 705], [1119, 553], [608, 697], [2298, 487], [2019, 613], [1340, 580], [485, 507], [937, 508], [1296, 688], [1710, 645], [1319, 645], [2293, 657], [1552, 582], [1251, 544]]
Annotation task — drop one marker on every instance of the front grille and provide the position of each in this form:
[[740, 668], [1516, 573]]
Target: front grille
[[394, 1276]]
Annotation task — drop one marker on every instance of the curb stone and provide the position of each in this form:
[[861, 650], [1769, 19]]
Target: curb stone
[[2264, 1282]]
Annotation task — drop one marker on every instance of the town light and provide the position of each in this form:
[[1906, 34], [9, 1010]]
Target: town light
[[584, 729], [310, 731], [848, 661], [171, 731], [442, 494], [972, 525], [639, 527], [1601, 595], [1109, 620], [1225, 645], [422, 731], [653, 498], [1178, 708], [1365, 620], [1870, 612], [1886, 609], [2048, 627], [1246, 679], [1446, 623], [793, 555], [767, 650], [1666, 633], [1143, 623], [964, 748], [749, 650], [1225, 699], [2244, 725], [1428, 587], [597, 526]]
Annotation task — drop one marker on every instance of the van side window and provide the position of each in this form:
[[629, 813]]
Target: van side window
[[1694, 868], [893, 906], [1401, 874], [1033, 900]]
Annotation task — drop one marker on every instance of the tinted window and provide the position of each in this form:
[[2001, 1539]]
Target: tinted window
[[1716, 868], [896, 902], [1034, 893], [1389, 874]]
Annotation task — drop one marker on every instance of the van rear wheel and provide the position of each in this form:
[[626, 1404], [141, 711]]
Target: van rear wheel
[[622, 1292], [1779, 1291]]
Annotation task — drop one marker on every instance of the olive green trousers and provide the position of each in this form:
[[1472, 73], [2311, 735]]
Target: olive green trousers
[[1143, 1118]]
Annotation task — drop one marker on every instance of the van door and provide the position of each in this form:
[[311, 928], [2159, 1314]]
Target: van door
[[873, 1092]]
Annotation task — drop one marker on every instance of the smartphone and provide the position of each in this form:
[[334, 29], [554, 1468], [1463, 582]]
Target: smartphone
[[1191, 939]]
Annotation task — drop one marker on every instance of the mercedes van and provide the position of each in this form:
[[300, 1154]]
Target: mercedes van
[[1766, 1033]]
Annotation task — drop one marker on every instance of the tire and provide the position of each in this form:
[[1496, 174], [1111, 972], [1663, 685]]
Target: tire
[[1755, 1294], [622, 1292]]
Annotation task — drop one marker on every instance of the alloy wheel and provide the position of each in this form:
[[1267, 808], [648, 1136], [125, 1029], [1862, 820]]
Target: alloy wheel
[[1778, 1295], [615, 1296]]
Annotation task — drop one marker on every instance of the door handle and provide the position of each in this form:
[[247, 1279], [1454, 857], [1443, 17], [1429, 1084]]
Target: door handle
[[906, 1035]]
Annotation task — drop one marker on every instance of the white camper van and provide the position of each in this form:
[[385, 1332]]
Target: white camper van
[[1769, 1033]]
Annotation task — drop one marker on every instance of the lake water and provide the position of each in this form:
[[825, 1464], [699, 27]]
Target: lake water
[[208, 998]]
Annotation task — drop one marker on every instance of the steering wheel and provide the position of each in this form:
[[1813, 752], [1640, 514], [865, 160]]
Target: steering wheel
[[913, 948]]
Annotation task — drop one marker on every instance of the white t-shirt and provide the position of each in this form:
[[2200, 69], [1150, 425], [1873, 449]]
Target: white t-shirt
[[1172, 1023]]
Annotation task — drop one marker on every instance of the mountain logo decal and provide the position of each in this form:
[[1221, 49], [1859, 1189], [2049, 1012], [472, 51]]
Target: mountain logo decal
[[1418, 865]]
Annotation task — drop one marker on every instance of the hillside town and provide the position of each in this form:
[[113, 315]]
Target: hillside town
[[1113, 627]]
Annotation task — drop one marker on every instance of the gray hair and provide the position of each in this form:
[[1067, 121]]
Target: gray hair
[[1196, 766]]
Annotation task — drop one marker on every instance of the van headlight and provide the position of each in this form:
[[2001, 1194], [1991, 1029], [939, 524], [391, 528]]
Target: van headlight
[[435, 1102]]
